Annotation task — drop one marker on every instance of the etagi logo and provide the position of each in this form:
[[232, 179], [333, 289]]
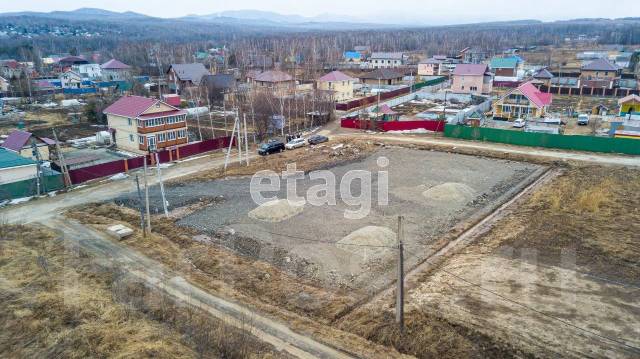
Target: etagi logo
[[322, 189]]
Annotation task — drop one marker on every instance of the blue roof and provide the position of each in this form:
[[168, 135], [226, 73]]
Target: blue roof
[[352, 55], [10, 159], [504, 63]]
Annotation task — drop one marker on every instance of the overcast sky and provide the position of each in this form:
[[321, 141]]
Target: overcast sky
[[427, 11]]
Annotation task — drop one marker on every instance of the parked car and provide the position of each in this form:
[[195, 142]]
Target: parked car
[[519, 123], [583, 119], [295, 143], [316, 139], [270, 147]]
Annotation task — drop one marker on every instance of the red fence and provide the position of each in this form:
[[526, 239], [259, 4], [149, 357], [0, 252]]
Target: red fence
[[350, 105], [84, 174], [430, 125]]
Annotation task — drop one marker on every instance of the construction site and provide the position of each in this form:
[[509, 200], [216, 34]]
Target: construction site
[[504, 253]]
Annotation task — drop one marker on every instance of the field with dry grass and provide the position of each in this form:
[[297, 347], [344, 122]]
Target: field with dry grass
[[57, 302]]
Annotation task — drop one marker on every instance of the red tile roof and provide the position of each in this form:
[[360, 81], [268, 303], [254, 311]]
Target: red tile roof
[[114, 64], [335, 76], [534, 95], [470, 69], [130, 106]]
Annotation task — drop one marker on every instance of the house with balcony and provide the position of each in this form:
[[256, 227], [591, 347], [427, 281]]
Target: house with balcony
[[525, 101], [140, 124]]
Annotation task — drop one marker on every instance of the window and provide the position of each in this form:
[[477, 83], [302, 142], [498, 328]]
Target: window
[[141, 140], [129, 122], [131, 138], [506, 108], [474, 88], [171, 135], [161, 137], [181, 134]]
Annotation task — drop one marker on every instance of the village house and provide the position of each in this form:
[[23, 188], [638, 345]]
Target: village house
[[504, 66], [381, 77], [114, 70], [67, 62], [70, 80], [432, 67], [629, 106], [277, 81], [15, 168], [525, 101], [352, 57], [472, 78], [88, 71], [544, 77], [219, 87], [382, 60], [140, 124], [599, 73], [339, 85], [183, 76], [10, 69], [21, 142]]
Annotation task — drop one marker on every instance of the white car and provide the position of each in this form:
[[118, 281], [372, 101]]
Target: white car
[[295, 143], [519, 123], [583, 119]]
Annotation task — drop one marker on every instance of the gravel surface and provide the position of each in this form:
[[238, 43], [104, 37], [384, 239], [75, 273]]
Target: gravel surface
[[305, 243]]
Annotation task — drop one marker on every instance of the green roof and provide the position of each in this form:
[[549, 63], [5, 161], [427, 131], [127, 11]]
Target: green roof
[[11, 159], [504, 63]]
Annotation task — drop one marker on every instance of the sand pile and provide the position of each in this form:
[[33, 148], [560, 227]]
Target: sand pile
[[377, 237], [276, 211], [450, 192]]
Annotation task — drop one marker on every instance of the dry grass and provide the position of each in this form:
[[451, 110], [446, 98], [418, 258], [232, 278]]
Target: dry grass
[[592, 210], [51, 308], [57, 303], [217, 268], [427, 336]]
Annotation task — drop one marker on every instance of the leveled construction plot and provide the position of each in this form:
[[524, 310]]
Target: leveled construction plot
[[434, 191]]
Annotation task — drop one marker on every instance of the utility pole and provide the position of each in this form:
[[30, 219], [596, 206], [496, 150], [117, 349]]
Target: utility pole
[[142, 224], [63, 164], [146, 195], [239, 136], [164, 201], [400, 289], [246, 138], [36, 154], [226, 160]]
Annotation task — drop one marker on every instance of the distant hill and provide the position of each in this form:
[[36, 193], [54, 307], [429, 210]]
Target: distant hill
[[81, 14]]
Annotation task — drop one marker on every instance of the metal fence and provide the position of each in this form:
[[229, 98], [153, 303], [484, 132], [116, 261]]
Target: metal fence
[[50, 181], [566, 142]]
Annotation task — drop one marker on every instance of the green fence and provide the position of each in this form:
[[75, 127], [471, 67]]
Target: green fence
[[567, 142], [28, 188], [432, 82]]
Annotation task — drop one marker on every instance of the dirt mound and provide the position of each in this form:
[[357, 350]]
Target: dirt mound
[[450, 191], [276, 211], [369, 241]]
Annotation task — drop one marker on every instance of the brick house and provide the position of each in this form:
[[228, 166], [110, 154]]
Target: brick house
[[472, 78]]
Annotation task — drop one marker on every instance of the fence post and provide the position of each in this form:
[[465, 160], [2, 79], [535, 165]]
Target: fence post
[[126, 165]]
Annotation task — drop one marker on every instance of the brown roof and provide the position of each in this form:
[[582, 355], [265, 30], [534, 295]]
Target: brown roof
[[382, 74], [470, 69]]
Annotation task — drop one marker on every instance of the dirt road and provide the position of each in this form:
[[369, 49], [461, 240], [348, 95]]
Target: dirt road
[[45, 208], [158, 276], [556, 155]]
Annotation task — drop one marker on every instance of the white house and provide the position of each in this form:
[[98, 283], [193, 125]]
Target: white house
[[382, 60], [70, 79], [14, 168], [89, 71]]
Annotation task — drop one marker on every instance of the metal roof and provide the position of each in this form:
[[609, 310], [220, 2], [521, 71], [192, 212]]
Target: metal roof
[[600, 65], [10, 159]]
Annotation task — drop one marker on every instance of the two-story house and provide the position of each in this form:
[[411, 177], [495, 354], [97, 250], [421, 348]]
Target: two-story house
[[525, 101], [278, 82], [385, 60], [339, 85], [599, 73], [182, 76], [139, 124], [472, 78], [114, 70]]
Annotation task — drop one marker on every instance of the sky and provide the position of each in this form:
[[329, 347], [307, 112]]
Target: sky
[[403, 11]]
